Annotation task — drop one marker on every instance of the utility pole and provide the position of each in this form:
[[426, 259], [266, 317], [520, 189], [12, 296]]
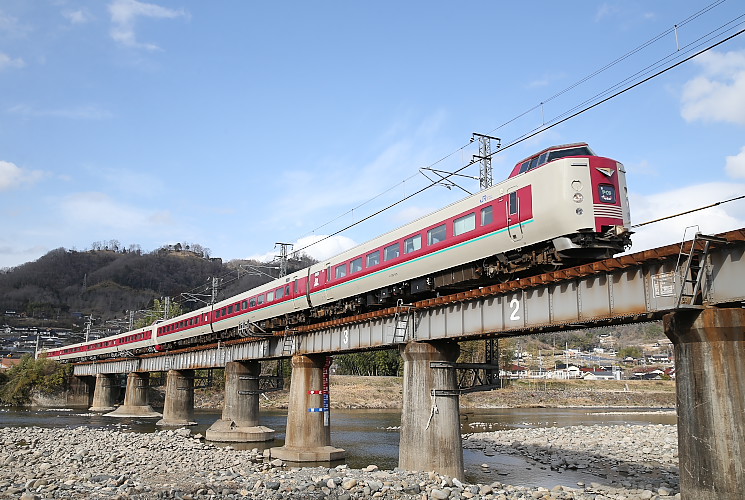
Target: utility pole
[[486, 178], [131, 321], [88, 327], [283, 250], [167, 311], [215, 286]]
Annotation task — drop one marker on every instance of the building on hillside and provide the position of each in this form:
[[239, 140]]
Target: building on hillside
[[601, 375], [649, 373], [8, 363]]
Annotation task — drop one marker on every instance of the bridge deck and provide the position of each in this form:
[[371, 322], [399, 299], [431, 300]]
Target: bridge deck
[[626, 289]]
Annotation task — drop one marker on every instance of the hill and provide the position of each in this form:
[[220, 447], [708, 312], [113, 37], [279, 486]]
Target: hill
[[61, 287]]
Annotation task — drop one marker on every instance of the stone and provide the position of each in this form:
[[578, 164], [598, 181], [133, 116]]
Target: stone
[[438, 494]]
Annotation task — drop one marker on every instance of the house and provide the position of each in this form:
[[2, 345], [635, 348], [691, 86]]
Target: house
[[8, 363], [564, 372], [601, 375], [651, 373]]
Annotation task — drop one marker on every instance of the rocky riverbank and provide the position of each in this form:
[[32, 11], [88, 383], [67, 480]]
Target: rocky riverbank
[[640, 460], [38, 463]]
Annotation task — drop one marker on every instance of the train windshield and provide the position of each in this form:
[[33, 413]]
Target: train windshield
[[562, 153]]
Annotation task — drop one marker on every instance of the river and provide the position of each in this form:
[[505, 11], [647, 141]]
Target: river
[[371, 436]]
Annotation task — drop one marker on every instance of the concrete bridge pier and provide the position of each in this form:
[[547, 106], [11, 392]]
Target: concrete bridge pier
[[710, 385], [178, 409], [104, 393], [308, 435], [80, 390], [430, 419], [240, 413], [136, 399]]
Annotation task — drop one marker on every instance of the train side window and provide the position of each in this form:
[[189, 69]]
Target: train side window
[[252, 301], [230, 309], [206, 317], [525, 166], [245, 305], [279, 293], [287, 290], [341, 271], [513, 203], [464, 224], [261, 299], [373, 259], [487, 215], [542, 159], [436, 235], [224, 311], [392, 251], [413, 244], [355, 266], [270, 296]]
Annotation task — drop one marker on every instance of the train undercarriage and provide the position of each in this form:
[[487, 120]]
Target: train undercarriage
[[567, 251]]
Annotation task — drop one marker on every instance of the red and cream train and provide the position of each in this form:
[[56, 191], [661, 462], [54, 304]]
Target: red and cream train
[[559, 207]]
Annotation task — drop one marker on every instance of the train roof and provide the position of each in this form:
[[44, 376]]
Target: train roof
[[554, 148]]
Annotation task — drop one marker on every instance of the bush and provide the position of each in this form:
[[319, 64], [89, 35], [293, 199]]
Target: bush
[[32, 375]]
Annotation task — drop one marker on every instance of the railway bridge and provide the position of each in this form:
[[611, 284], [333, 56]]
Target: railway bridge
[[696, 287]]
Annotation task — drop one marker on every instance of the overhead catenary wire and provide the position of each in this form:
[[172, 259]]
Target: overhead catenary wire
[[688, 212], [579, 82], [525, 137]]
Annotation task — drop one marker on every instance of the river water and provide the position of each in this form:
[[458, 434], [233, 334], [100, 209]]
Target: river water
[[371, 436]]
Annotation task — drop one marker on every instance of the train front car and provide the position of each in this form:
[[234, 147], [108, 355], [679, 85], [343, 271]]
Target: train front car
[[581, 202]]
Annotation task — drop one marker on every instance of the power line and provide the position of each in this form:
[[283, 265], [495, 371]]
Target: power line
[[688, 211], [527, 136]]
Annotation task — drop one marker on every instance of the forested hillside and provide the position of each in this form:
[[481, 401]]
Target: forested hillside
[[63, 284]]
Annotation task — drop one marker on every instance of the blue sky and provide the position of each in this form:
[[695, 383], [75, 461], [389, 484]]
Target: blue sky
[[236, 125]]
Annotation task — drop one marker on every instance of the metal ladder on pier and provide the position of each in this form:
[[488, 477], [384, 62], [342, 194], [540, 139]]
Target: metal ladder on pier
[[289, 343], [402, 321], [690, 296]]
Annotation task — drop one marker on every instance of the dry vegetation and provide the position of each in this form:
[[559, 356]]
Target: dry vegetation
[[349, 391]]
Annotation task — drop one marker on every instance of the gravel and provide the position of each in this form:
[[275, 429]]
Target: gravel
[[40, 463]]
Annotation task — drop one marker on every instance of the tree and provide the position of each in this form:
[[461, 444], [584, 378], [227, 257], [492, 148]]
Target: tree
[[631, 351], [33, 375], [158, 311]]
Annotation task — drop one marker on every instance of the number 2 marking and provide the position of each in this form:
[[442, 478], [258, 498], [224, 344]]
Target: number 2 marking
[[515, 306]]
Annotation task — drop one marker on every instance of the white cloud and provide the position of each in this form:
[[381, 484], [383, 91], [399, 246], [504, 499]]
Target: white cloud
[[80, 16], [124, 14], [720, 218], [85, 112], [10, 26], [8, 62], [606, 10], [94, 210], [735, 166], [717, 95], [12, 176], [320, 247]]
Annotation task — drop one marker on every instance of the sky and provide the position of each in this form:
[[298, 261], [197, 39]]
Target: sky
[[237, 125]]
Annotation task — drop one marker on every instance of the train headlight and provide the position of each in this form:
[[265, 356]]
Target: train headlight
[[579, 211], [578, 197], [577, 185]]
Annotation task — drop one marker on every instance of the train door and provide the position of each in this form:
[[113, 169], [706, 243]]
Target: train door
[[299, 298], [329, 289], [514, 224], [314, 285]]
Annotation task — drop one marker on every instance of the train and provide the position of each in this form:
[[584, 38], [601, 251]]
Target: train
[[560, 207]]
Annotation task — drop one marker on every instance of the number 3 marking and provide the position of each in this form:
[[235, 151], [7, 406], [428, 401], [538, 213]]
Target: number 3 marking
[[346, 337], [515, 306]]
